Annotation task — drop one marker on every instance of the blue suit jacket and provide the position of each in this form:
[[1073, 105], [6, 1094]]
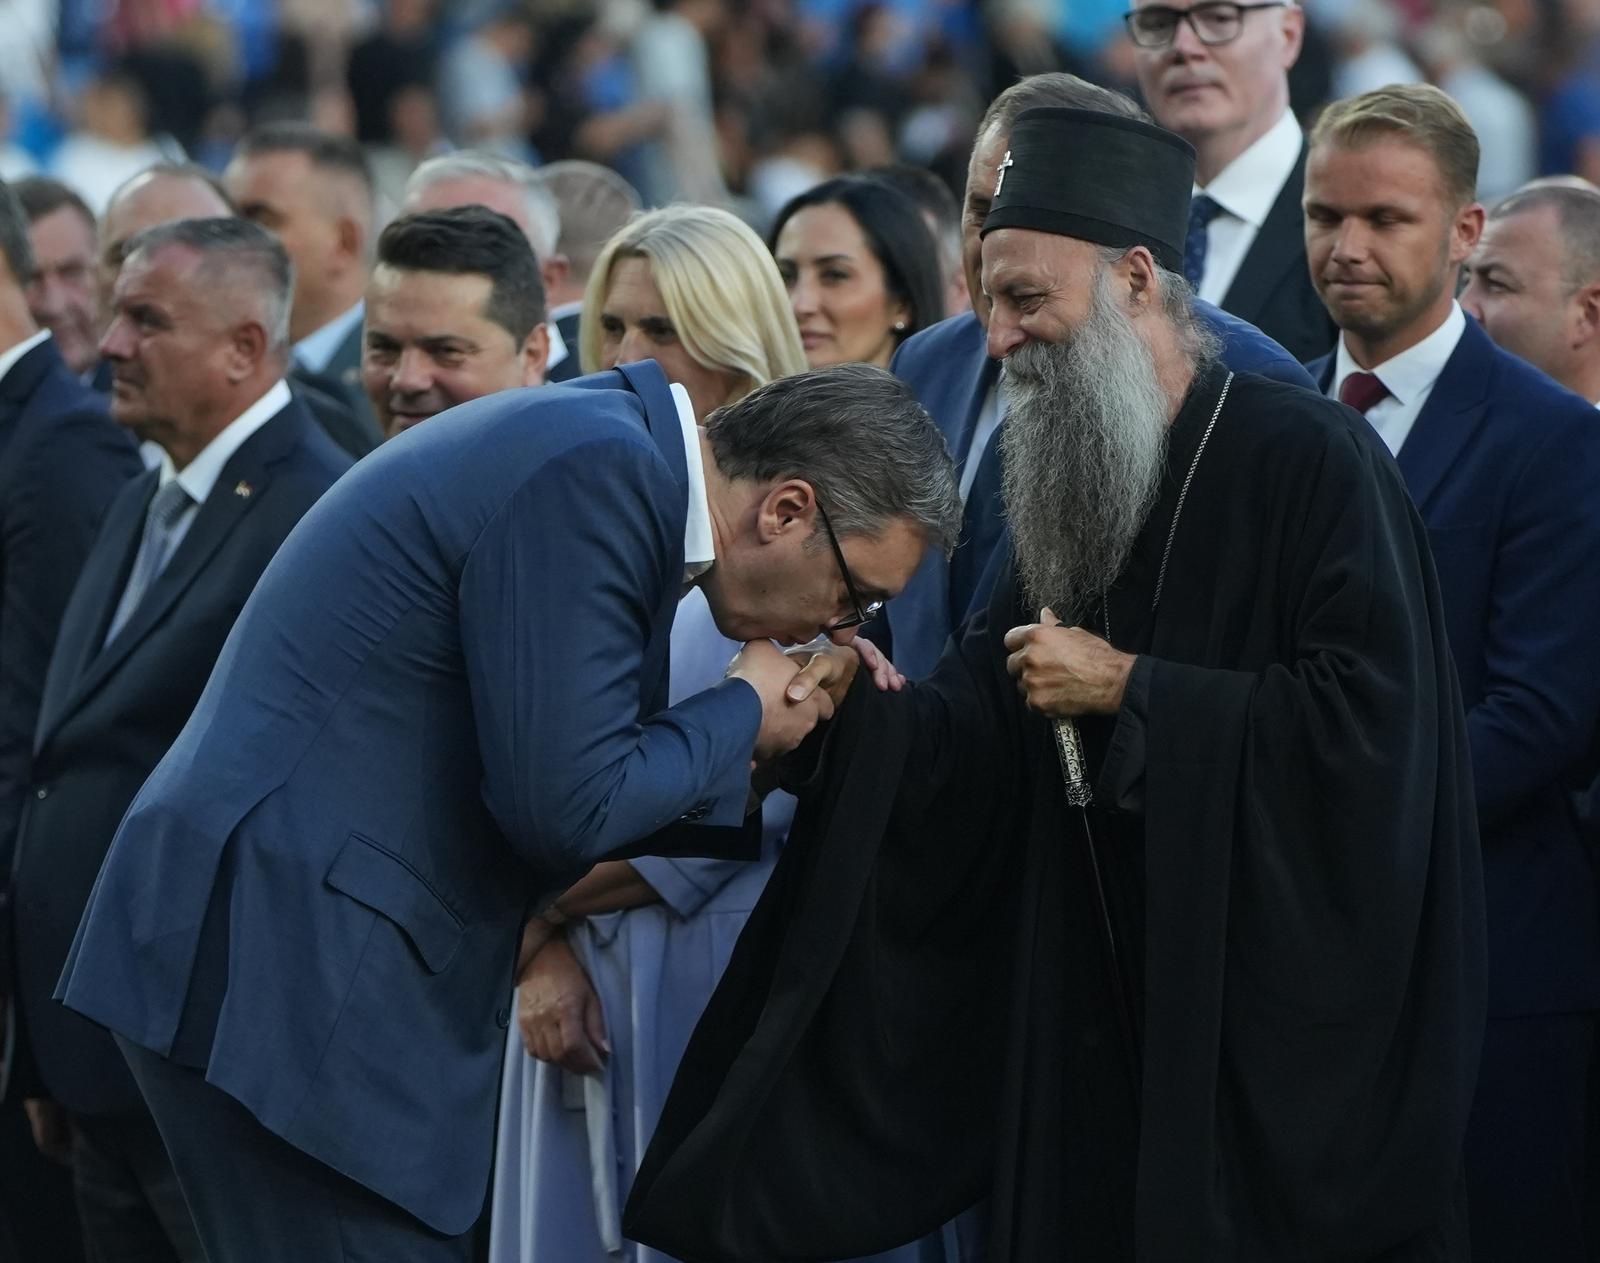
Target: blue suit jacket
[[62, 461], [444, 701], [111, 709], [949, 370], [1504, 464]]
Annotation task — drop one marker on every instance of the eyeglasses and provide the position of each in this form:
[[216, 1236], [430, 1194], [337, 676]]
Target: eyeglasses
[[863, 612], [1156, 25]]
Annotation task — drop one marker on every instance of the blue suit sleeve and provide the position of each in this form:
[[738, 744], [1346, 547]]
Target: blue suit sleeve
[[559, 597], [1541, 688]]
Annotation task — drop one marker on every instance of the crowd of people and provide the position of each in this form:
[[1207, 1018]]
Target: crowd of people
[[595, 664]]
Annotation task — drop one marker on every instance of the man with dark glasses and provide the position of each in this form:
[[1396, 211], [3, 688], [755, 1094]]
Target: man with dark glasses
[[1217, 73]]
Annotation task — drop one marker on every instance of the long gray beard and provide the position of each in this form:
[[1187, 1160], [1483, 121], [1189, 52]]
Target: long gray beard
[[1085, 439]]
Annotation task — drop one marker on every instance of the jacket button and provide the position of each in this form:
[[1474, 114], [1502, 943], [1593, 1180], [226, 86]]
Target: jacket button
[[42, 792], [502, 1018], [699, 812]]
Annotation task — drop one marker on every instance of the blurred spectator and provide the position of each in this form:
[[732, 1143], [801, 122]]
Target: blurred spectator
[[62, 294], [594, 203], [1365, 36], [481, 96], [398, 56], [1499, 114], [1533, 283], [861, 269], [1569, 121], [937, 205], [672, 67], [113, 142], [455, 311], [312, 190]]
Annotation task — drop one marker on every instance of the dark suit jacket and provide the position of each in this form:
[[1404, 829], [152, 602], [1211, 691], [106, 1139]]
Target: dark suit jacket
[[1504, 465], [949, 370], [446, 699], [342, 375], [61, 464], [110, 714], [1273, 289], [326, 401], [569, 367]]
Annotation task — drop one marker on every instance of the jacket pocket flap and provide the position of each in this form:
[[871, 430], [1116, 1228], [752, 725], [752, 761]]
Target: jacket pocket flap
[[383, 881]]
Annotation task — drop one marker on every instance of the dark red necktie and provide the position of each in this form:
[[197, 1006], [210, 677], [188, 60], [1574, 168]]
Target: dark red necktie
[[1361, 391]]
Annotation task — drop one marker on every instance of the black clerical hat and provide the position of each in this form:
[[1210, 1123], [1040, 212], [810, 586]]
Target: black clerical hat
[[1099, 177]]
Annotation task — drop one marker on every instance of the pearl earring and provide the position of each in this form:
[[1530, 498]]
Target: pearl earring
[[899, 326]]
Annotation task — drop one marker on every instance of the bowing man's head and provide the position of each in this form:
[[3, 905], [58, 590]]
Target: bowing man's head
[[199, 330], [455, 311], [825, 488]]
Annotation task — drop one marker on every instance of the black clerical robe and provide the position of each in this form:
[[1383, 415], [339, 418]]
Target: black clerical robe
[[921, 1012]]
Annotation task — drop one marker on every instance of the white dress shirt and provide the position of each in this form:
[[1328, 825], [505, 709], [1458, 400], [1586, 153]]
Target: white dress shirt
[[8, 359], [1408, 377], [314, 350], [699, 548], [199, 476], [1245, 189]]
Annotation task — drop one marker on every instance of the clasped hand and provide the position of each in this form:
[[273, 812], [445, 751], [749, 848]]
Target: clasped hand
[[1064, 672], [800, 687]]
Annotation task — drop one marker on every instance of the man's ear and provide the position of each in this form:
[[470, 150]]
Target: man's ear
[[1141, 273], [248, 347], [351, 237], [535, 355], [553, 271], [1466, 231], [1586, 305], [788, 507]]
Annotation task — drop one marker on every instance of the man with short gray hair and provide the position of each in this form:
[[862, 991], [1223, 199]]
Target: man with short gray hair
[[1533, 282], [198, 344]]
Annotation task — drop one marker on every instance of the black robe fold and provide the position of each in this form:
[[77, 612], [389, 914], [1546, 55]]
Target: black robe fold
[[919, 1013]]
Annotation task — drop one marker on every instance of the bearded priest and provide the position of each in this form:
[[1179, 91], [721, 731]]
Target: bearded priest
[[1161, 929]]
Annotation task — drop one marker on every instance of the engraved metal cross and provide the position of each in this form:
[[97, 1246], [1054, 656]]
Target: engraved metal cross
[[1004, 167]]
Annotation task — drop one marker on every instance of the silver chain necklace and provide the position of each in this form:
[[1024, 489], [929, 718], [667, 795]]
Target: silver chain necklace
[[1177, 513]]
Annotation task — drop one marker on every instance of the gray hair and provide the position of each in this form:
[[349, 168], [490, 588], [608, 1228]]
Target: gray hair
[[240, 260], [15, 245], [1577, 219], [544, 215], [858, 436], [1060, 90], [595, 203]]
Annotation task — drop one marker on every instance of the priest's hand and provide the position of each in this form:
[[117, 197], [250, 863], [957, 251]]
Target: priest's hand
[[558, 1011], [1064, 672], [847, 659], [792, 702]]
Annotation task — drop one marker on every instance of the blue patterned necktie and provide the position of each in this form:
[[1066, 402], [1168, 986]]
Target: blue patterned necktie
[[1202, 210], [166, 507]]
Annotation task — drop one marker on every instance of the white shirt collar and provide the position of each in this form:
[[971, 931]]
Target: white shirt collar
[[1248, 186], [699, 548], [1413, 372], [314, 350], [8, 359], [558, 345], [200, 475], [562, 310]]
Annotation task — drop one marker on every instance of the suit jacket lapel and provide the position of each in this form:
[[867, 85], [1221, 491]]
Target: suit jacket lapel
[[83, 628], [248, 469], [660, 415], [1279, 246], [1454, 411]]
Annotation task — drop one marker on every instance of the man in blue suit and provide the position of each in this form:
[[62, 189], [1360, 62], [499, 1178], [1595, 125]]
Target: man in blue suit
[[445, 700], [61, 462], [1503, 465], [949, 369]]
